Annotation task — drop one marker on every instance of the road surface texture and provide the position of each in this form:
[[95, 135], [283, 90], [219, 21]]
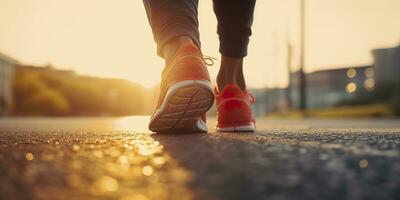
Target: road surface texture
[[118, 158]]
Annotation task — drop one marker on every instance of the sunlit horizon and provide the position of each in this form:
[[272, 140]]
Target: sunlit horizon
[[113, 39]]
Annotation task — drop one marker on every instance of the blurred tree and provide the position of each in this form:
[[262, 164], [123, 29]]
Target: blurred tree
[[33, 97], [46, 91]]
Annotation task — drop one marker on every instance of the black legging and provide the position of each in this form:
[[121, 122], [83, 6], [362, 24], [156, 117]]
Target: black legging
[[172, 18]]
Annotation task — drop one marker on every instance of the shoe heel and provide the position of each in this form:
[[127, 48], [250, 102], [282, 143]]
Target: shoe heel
[[184, 104]]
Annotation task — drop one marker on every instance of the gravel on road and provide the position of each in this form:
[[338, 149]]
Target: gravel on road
[[118, 158]]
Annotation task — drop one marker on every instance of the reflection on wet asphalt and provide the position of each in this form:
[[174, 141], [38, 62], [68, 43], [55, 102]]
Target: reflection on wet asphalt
[[120, 159]]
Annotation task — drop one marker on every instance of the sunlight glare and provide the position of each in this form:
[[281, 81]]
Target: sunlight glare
[[136, 123]]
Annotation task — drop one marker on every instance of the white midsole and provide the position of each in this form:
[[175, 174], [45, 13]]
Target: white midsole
[[201, 125], [245, 128]]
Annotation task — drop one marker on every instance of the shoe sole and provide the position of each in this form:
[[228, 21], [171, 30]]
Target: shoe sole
[[245, 128], [182, 108]]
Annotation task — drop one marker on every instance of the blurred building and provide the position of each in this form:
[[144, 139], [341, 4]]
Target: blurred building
[[270, 100], [357, 85], [387, 76], [335, 87], [7, 65], [325, 89], [343, 86]]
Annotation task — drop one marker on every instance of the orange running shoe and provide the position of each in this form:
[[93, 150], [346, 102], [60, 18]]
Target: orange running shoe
[[234, 110], [185, 95]]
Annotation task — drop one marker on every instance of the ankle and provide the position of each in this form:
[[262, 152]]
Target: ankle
[[231, 71], [172, 46]]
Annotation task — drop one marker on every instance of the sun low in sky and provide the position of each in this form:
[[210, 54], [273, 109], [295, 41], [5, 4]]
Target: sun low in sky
[[113, 39]]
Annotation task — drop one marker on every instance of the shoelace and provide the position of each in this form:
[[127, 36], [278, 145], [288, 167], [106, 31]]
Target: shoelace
[[209, 60], [252, 98]]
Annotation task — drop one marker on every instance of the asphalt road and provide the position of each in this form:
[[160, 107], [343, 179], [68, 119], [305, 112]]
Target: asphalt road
[[109, 158]]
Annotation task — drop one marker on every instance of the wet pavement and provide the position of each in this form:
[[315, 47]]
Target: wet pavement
[[118, 158]]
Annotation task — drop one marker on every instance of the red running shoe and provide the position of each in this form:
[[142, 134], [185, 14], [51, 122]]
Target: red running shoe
[[234, 110], [185, 95]]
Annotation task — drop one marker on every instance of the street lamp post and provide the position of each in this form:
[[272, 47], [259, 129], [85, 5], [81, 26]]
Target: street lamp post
[[302, 77]]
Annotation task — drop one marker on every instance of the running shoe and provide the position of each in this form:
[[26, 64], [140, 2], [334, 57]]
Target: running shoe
[[234, 110], [185, 95]]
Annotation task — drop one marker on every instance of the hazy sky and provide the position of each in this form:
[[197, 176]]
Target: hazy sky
[[111, 38]]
